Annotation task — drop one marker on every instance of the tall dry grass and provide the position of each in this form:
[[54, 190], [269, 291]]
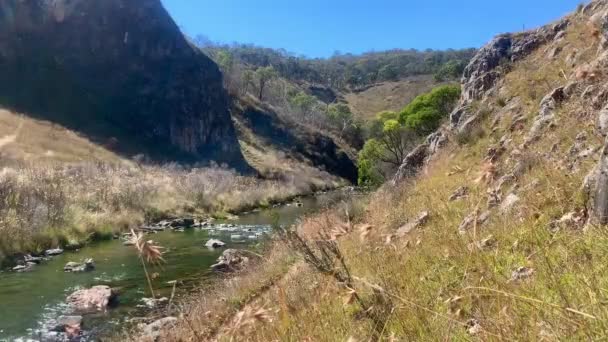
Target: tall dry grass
[[43, 206]]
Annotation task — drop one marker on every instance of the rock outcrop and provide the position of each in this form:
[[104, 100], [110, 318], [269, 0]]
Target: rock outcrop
[[119, 71], [480, 79]]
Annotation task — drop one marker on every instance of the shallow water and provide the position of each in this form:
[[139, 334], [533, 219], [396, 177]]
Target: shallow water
[[30, 302]]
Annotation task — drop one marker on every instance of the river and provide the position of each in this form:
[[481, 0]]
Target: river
[[30, 302]]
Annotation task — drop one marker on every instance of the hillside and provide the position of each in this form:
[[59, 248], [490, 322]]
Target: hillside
[[119, 72], [494, 229], [368, 83]]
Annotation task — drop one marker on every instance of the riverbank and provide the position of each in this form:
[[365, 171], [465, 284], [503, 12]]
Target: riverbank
[[68, 206], [187, 266]]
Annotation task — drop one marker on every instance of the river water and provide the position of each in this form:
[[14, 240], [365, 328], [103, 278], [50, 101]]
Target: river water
[[30, 302]]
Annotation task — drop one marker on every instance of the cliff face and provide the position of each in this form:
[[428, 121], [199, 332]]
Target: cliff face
[[118, 71]]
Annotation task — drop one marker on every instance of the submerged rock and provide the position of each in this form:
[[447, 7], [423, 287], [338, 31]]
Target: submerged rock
[[97, 298]]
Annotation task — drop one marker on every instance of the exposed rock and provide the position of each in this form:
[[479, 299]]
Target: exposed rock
[[86, 266], [27, 267], [97, 298], [152, 303], [153, 330], [412, 163], [494, 198], [461, 192], [53, 252], [120, 71], [215, 243], [182, 222], [231, 260], [595, 186], [509, 203], [546, 114], [473, 326], [602, 121], [522, 273], [472, 219], [36, 260], [420, 220]]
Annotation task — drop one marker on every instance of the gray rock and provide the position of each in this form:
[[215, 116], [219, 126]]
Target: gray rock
[[602, 121], [27, 267], [522, 273], [468, 222], [53, 252], [412, 163], [546, 114], [97, 298], [509, 203], [420, 220], [85, 266], [215, 243], [152, 303], [231, 260], [461, 192]]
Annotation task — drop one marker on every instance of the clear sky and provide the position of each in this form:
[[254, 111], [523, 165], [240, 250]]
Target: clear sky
[[317, 28]]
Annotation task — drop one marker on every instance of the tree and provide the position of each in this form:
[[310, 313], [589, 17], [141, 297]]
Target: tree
[[341, 116], [303, 102], [425, 112], [264, 75], [381, 156], [450, 71], [247, 80]]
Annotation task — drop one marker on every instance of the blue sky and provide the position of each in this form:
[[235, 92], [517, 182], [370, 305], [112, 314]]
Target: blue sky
[[317, 28]]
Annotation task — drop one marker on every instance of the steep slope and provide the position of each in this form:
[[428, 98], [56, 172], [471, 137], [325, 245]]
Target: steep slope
[[495, 229], [262, 129], [118, 71]]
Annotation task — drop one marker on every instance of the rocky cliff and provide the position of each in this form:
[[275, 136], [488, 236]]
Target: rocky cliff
[[118, 71]]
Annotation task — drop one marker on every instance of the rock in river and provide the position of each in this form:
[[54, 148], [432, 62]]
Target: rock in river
[[87, 265], [215, 243], [231, 260], [97, 298], [53, 252]]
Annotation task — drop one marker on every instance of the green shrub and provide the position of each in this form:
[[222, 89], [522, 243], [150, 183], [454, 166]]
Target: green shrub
[[425, 112]]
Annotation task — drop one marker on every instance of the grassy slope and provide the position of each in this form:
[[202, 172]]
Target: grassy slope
[[388, 95], [436, 284]]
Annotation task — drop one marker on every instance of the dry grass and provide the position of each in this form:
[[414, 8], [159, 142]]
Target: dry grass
[[528, 273], [46, 206], [388, 96]]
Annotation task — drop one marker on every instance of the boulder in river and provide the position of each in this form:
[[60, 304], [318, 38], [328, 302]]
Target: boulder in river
[[215, 243], [53, 252], [182, 222], [86, 266], [231, 260], [97, 298], [28, 266]]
